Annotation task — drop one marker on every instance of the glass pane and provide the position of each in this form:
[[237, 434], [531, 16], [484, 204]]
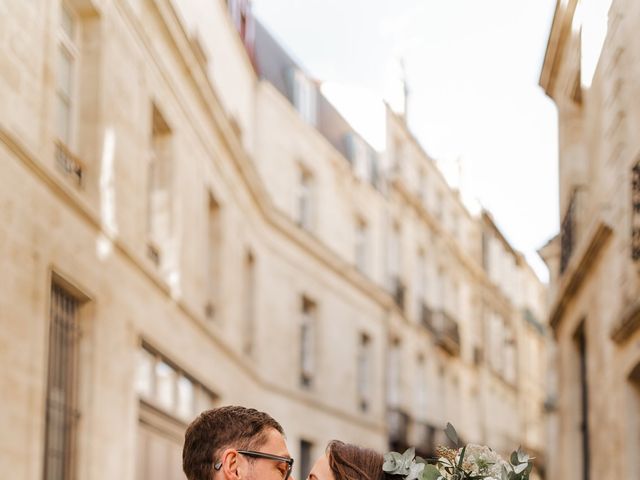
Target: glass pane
[[186, 398], [144, 373], [204, 401], [165, 386], [63, 120], [67, 22], [65, 72]]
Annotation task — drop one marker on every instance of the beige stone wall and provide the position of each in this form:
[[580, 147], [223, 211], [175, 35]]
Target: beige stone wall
[[599, 288], [235, 139]]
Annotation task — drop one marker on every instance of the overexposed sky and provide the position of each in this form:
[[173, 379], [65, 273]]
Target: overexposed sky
[[472, 68]]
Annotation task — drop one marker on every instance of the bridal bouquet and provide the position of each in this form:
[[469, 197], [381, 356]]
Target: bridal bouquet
[[470, 462]]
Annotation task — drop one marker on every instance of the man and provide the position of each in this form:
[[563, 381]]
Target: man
[[235, 443]]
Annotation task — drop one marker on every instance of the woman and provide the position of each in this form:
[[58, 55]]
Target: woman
[[343, 461]]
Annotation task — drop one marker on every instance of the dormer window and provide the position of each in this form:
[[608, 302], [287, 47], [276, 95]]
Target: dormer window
[[304, 96], [362, 158]]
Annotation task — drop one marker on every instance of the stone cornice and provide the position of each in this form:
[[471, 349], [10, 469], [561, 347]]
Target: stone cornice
[[578, 268], [558, 34], [628, 324]]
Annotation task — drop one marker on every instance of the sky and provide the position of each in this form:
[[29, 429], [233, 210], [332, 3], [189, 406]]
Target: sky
[[472, 68]]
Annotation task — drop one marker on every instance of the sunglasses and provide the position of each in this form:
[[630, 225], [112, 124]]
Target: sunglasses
[[268, 456]]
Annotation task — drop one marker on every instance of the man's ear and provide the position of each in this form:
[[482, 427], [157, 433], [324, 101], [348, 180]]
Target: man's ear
[[229, 467]]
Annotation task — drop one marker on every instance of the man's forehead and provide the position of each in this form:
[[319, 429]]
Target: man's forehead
[[276, 441]]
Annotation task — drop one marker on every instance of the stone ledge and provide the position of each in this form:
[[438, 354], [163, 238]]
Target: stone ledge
[[628, 324], [579, 265]]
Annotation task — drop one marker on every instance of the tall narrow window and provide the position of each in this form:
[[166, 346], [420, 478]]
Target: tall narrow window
[[421, 388], [67, 55], [212, 263], [65, 108], [307, 342], [396, 285], [361, 245], [305, 200], [62, 385], [159, 187], [439, 207], [583, 406], [393, 374], [304, 96], [364, 372], [306, 452], [633, 422], [420, 285], [635, 212], [249, 304], [422, 186]]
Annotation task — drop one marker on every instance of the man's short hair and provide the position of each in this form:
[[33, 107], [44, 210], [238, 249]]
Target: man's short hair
[[215, 430]]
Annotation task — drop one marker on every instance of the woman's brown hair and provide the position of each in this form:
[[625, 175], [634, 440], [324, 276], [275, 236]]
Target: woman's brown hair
[[350, 462]]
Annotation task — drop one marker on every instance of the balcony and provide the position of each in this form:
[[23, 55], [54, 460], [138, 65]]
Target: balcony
[[424, 439], [398, 290], [426, 317], [68, 162], [445, 331], [569, 227], [398, 429]]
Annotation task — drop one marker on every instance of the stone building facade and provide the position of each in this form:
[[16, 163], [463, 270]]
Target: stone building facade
[[182, 227], [591, 71]]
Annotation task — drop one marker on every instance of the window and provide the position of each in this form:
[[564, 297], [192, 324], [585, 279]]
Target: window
[[169, 400], [421, 284], [363, 375], [633, 422], [635, 212], [362, 157], [159, 215], [394, 257], [393, 374], [421, 388], [304, 96], [305, 200], [485, 251], [306, 451], [361, 245], [67, 56], [307, 342], [62, 412], [249, 304], [496, 342], [66, 94], [580, 345], [439, 206], [422, 186], [167, 387], [212, 255]]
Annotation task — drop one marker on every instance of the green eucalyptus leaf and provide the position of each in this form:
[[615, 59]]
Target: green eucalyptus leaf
[[514, 458], [461, 459], [523, 457], [430, 472], [392, 462], [452, 434], [520, 468], [409, 453], [415, 471]]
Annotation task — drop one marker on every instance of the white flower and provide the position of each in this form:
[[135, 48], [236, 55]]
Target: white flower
[[481, 460]]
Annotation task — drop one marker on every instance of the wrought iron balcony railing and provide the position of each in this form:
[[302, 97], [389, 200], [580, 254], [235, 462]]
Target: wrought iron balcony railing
[[398, 290], [447, 332], [398, 427]]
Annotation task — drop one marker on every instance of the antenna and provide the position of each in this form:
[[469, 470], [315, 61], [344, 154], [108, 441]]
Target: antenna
[[405, 89]]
